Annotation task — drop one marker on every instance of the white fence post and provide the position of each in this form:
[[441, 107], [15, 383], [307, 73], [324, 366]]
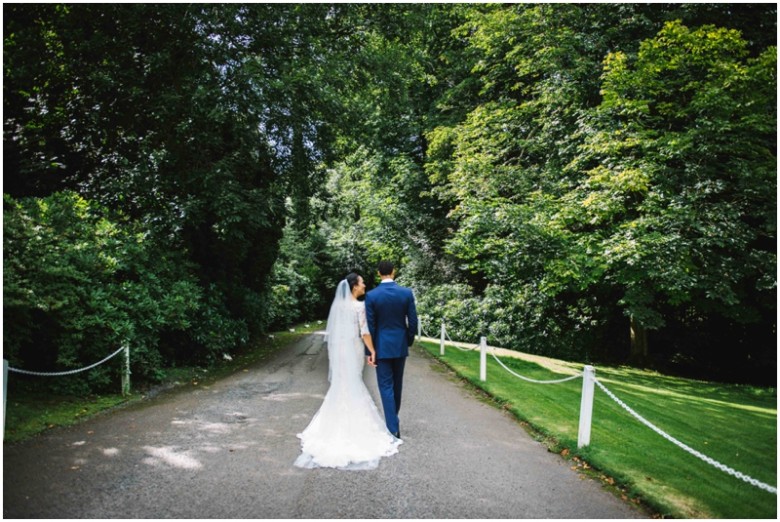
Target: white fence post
[[5, 391], [126, 373], [586, 406], [419, 330], [441, 342], [483, 359]]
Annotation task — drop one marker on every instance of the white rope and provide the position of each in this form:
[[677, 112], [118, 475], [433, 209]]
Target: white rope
[[705, 458], [424, 333], [492, 352], [59, 374], [695, 453], [447, 335]]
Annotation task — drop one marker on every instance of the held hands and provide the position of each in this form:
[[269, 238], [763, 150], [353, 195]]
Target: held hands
[[371, 359]]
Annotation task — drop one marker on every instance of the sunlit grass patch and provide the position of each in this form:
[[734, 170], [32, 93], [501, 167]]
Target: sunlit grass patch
[[32, 412], [734, 424]]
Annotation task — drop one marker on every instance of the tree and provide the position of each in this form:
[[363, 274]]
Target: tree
[[536, 189], [559, 198], [678, 204], [79, 284]]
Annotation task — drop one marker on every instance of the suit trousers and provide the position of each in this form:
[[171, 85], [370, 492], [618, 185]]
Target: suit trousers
[[389, 376]]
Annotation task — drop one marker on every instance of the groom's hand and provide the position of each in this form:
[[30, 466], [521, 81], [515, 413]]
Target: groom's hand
[[370, 360]]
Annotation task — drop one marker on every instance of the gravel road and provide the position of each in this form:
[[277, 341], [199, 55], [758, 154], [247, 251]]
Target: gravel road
[[226, 451]]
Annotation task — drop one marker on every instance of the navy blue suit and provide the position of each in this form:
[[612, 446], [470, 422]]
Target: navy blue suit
[[392, 320]]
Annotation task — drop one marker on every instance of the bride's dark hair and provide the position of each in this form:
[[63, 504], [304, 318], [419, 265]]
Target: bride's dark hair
[[352, 280]]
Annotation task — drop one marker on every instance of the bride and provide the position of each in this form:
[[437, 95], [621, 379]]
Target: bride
[[347, 432]]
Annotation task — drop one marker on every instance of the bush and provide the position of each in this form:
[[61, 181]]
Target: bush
[[79, 283], [289, 295], [525, 320], [216, 331], [456, 305]]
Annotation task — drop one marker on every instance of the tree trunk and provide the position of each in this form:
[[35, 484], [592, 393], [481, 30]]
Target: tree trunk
[[639, 343]]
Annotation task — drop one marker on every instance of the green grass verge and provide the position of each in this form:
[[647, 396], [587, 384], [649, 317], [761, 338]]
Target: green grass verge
[[735, 425], [30, 411]]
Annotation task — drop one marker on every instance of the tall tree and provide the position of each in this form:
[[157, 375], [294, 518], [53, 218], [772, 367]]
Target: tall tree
[[513, 168], [679, 207], [147, 109]]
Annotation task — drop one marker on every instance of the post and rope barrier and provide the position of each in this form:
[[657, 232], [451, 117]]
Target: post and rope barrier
[[125, 374], [685, 447], [5, 391], [441, 339], [589, 383], [586, 406], [68, 372], [483, 359]]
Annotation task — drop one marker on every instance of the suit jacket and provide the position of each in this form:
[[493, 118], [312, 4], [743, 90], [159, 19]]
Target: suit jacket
[[392, 320]]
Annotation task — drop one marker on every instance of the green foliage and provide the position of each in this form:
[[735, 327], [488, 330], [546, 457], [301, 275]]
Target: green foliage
[[366, 209], [177, 117], [590, 185], [78, 284], [561, 169], [678, 205], [295, 282], [215, 330], [456, 306]]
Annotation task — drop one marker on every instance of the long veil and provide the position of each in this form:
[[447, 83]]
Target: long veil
[[347, 432], [341, 332]]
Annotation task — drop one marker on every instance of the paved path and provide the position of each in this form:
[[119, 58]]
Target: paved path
[[226, 451]]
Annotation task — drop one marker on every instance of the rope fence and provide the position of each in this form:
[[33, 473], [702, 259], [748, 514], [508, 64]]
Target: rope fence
[[586, 407], [125, 375], [60, 374], [468, 349], [695, 453], [528, 379]]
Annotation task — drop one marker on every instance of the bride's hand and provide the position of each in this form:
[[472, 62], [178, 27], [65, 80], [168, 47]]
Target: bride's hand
[[371, 359]]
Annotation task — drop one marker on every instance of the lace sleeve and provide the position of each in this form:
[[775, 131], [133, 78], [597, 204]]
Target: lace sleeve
[[362, 324]]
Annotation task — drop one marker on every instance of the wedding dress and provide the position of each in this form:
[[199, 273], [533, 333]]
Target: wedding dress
[[347, 432]]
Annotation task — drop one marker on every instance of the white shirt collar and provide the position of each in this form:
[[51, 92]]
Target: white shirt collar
[[387, 281]]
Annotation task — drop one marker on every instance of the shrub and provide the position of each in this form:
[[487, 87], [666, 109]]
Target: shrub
[[79, 283]]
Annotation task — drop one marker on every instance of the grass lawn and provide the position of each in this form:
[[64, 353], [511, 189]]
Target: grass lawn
[[30, 411], [735, 425]]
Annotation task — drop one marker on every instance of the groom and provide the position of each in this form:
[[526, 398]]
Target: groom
[[392, 320]]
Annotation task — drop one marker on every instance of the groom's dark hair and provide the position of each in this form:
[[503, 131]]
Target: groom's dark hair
[[386, 268]]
